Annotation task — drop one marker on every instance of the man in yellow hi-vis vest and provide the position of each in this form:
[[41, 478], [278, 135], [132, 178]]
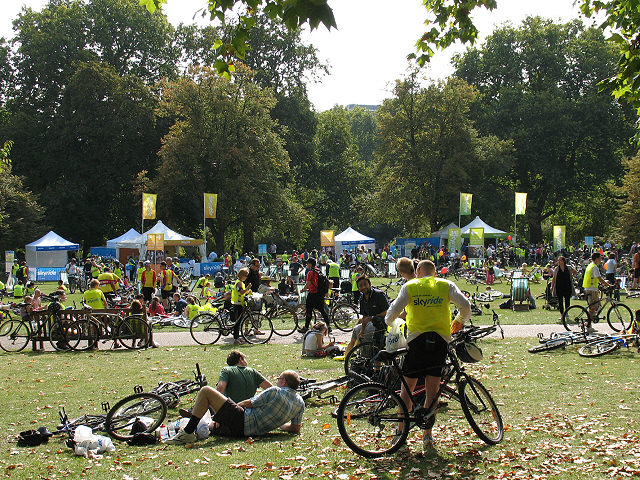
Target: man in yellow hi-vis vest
[[590, 282], [426, 301]]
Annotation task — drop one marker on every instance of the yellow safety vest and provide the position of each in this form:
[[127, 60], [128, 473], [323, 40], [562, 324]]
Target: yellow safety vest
[[95, 272], [354, 281], [285, 258], [588, 279], [334, 271], [428, 308], [95, 298], [236, 297], [18, 291]]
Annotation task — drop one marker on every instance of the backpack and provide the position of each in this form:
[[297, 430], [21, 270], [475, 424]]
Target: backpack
[[323, 283]]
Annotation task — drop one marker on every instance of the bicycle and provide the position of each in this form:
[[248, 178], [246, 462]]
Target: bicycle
[[374, 421], [207, 327], [309, 388], [77, 282], [609, 343], [132, 332], [340, 312], [171, 392], [118, 420], [562, 339], [282, 315], [619, 315]]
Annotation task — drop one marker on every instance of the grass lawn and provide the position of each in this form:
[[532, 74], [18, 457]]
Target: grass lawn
[[566, 417]]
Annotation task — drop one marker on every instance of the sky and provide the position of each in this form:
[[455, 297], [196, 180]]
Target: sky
[[368, 51]]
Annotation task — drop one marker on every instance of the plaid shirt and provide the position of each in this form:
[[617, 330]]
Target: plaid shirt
[[273, 408]]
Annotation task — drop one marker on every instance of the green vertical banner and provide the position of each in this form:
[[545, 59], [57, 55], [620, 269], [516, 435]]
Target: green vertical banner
[[521, 203], [559, 233], [465, 203], [454, 239], [476, 237]]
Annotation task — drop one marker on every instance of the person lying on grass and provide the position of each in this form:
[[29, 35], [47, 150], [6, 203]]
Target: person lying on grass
[[279, 406]]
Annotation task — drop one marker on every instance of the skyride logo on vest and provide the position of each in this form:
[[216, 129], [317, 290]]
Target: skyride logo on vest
[[428, 301]]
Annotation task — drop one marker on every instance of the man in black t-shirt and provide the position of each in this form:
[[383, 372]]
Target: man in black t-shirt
[[254, 275], [373, 307]]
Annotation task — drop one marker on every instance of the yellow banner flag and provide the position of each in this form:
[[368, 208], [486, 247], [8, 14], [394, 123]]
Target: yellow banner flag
[[521, 203], [149, 206], [327, 238], [210, 205], [465, 203]]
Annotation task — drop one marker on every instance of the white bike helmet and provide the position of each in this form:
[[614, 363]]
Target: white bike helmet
[[468, 352]]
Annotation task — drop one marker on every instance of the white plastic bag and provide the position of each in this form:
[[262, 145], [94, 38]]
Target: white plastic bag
[[395, 337], [202, 430], [88, 444]]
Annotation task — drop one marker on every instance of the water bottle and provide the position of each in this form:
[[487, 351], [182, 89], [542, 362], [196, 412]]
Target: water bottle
[[163, 432]]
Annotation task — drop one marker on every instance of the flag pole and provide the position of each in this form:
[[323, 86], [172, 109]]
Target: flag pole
[[204, 221]]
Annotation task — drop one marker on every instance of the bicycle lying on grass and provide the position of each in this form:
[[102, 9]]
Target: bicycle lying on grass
[[118, 420], [374, 421], [563, 339], [610, 343]]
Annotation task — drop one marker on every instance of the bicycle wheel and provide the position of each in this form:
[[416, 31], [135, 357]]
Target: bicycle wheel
[[619, 317], [14, 335], [345, 317], [549, 345], [133, 332], [205, 328], [575, 318], [600, 347], [256, 328], [359, 359], [122, 416], [82, 334], [481, 411], [372, 420], [58, 334], [284, 320]]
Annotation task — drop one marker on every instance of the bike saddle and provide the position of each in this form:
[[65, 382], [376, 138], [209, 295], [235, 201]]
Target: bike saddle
[[384, 355]]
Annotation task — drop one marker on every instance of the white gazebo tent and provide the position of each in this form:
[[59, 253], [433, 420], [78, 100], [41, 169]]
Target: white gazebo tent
[[123, 253], [132, 233], [49, 251], [171, 238], [351, 238], [489, 231], [444, 232]]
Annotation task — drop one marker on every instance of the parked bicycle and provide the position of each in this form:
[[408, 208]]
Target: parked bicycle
[[619, 315], [374, 421], [562, 339], [207, 327]]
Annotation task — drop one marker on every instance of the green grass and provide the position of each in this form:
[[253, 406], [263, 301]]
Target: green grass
[[566, 417]]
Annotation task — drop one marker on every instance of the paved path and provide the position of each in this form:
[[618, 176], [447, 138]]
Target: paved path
[[172, 339]]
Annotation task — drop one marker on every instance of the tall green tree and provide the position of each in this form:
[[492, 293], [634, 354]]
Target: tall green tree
[[538, 88], [628, 225], [225, 142], [364, 130], [102, 136], [429, 153]]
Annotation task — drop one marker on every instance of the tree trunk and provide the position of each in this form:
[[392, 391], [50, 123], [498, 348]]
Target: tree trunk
[[249, 242]]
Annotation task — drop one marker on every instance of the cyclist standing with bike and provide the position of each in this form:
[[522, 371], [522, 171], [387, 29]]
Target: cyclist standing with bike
[[426, 300], [238, 301], [590, 282]]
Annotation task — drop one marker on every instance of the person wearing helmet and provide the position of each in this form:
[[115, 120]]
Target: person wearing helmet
[[426, 300]]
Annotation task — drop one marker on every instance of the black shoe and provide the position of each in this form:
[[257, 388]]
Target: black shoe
[[185, 413], [303, 330]]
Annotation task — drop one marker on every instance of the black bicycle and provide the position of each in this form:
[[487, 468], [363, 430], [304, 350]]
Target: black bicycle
[[118, 420], [374, 421]]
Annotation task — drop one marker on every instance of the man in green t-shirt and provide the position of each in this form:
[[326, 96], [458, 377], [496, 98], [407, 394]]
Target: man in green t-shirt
[[238, 381]]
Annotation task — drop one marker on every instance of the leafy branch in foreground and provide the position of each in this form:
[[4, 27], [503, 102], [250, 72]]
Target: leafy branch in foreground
[[293, 14]]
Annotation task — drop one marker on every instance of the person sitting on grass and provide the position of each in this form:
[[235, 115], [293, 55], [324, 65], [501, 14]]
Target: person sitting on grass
[[156, 308], [279, 406], [313, 341]]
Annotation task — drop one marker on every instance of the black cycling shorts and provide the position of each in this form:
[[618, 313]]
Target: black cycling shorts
[[426, 356]]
